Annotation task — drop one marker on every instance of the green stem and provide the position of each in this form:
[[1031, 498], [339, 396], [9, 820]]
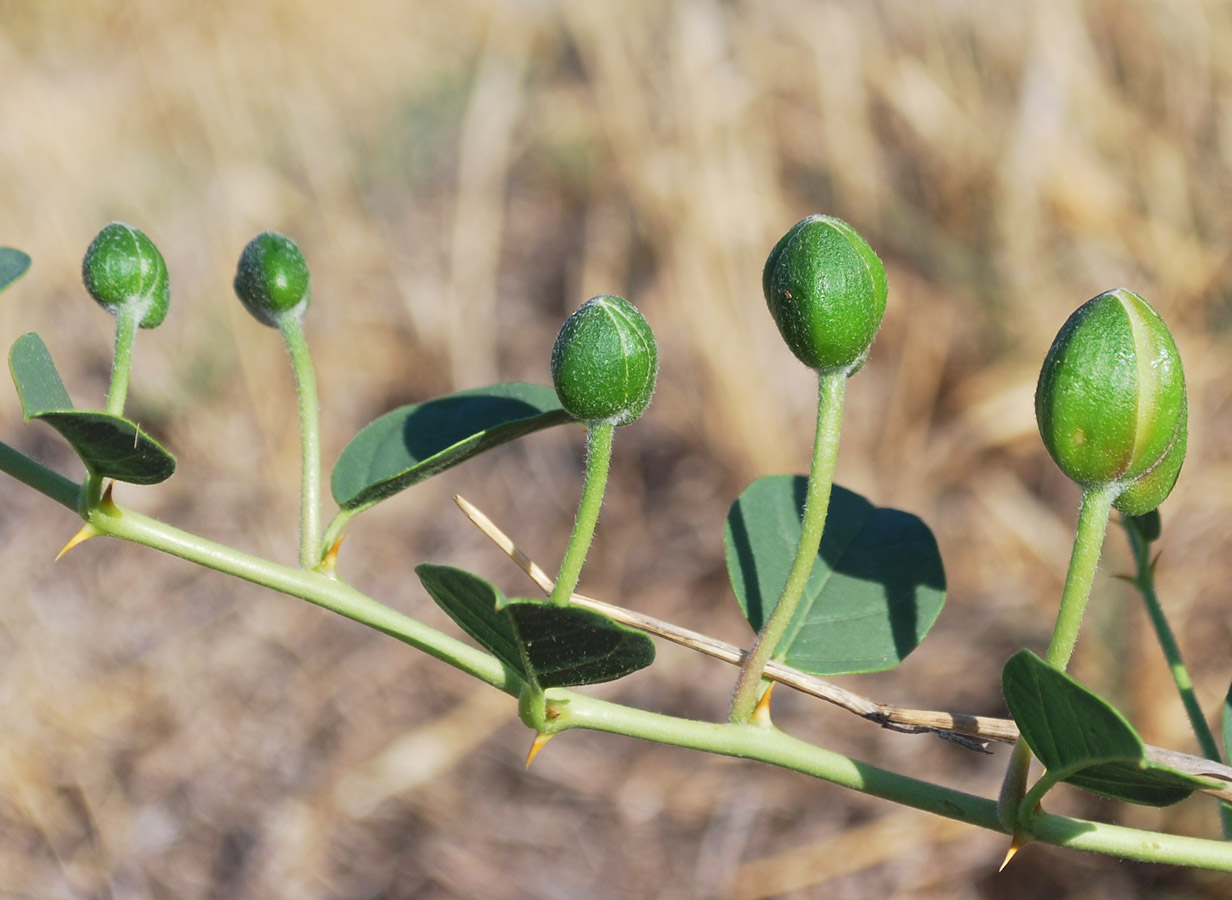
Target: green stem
[[1088, 542], [310, 550], [1084, 560], [316, 588], [1144, 581], [566, 710], [830, 389], [569, 710], [598, 461], [333, 531], [38, 476], [128, 319]]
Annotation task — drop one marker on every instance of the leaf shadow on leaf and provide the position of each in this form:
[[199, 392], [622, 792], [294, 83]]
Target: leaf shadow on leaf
[[412, 443], [890, 551], [448, 420]]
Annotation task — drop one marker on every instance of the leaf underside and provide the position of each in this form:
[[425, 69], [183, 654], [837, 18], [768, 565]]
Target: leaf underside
[[415, 442], [876, 588], [1082, 740], [110, 446]]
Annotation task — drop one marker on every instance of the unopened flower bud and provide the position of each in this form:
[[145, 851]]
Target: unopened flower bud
[[826, 290], [605, 362], [1110, 403], [272, 279], [122, 268]]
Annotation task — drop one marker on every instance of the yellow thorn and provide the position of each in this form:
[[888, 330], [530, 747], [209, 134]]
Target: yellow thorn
[[329, 565], [87, 531], [536, 746], [1016, 844], [761, 713]]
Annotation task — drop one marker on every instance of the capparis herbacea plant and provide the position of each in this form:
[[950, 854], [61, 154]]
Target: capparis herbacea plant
[[829, 582]]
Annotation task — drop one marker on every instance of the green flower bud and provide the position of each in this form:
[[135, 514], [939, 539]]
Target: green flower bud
[[272, 279], [826, 290], [605, 362], [1110, 403], [123, 267]]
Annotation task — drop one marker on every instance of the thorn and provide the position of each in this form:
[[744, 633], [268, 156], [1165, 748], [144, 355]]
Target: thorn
[[106, 502], [537, 745], [329, 565], [87, 531], [1128, 579], [761, 713], [1016, 844], [1155, 562]]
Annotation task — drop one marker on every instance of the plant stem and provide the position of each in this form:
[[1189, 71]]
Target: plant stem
[[1084, 559], [333, 531], [1088, 542], [321, 590], [830, 389], [570, 710], [1144, 581], [310, 550], [38, 476], [598, 461], [128, 319], [567, 710]]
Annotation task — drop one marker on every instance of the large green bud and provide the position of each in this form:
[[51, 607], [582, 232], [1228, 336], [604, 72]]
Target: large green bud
[[272, 279], [826, 290], [1111, 404], [605, 362], [123, 269]]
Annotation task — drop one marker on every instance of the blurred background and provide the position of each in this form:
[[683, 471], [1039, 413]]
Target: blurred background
[[461, 176]]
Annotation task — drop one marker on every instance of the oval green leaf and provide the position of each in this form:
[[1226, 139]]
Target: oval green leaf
[[13, 264], [567, 646], [876, 588], [415, 442], [110, 446], [1082, 740]]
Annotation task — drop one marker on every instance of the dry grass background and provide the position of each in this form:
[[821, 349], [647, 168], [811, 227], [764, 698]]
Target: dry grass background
[[461, 176]]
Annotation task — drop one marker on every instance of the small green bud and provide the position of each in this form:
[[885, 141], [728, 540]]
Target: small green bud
[[122, 267], [272, 279], [1110, 403], [826, 290], [605, 362]]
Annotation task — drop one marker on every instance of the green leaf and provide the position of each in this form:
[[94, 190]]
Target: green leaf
[[566, 646], [472, 603], [876, 588], [1227, 724], [110, 446], [39, 385], [1082, 740], [412, 443], [13, 264], [554, 646]]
